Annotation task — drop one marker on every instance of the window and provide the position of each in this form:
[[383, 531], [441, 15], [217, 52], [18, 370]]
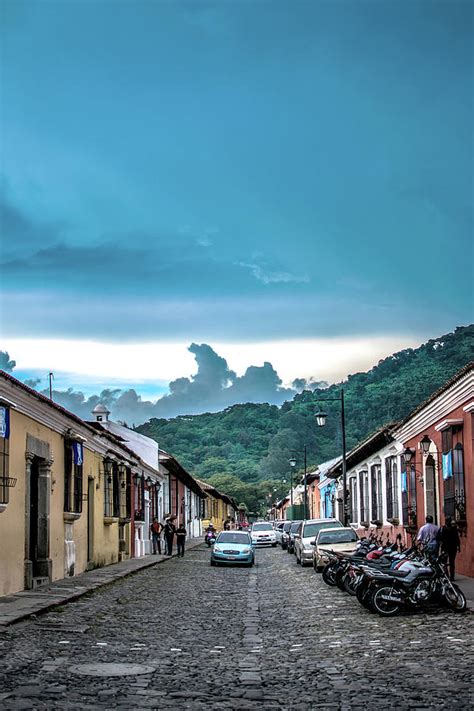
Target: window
[[404, 488], [73, 467], [353, 499], [391, 486], [5, 480], [111, 489], [125, 492], [364, 496], [376, 483], [453, 473], [139, 500]]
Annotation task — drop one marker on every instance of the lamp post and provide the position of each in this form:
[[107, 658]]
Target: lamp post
[[321, 420], [293, 464]]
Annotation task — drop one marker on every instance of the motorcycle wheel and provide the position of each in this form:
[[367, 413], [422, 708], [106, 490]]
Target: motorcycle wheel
[[339, 578], [386, 608], [329, 573], [348, 585], [455, 598], [363, 596]]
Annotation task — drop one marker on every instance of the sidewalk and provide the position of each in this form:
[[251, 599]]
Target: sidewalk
[[21, 605], [467, 586]]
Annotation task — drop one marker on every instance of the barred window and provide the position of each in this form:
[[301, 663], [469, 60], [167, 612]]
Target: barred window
[[405, 506], [353, 499], [364, 496], [125, 492], [4, 470], [376, 482], [453, 473], [73, 476], [139, 498], [391, 486]]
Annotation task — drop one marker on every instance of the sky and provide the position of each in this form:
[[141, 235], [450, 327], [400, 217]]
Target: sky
[[287, 182]]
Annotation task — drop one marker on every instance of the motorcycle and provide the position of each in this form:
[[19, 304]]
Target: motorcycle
[[411, 586], [210, 538]]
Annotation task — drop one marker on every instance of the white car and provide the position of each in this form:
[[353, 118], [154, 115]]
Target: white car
[[305, 537], [279, 531], [263, 534]]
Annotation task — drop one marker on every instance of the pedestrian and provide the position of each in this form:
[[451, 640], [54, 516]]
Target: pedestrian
[[169, 530], [450, 543], [155, 530], [429, 535], [180, 539]]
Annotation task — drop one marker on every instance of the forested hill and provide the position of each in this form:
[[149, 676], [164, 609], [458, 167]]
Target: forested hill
[[253, 442]]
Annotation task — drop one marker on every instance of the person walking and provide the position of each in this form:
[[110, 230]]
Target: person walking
[[450, 543], [169, 530], [155, 530], [429, 535], [181, 539]]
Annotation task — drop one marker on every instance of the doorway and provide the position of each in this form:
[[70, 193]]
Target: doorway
[[34, 517], [38, 564], [90, 519], [431, 498]]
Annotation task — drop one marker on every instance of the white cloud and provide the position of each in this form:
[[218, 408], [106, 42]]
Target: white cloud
[[328, 359], [268, 277]]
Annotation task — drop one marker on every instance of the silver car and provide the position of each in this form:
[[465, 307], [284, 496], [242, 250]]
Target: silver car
[[305, 537], [279, 530]]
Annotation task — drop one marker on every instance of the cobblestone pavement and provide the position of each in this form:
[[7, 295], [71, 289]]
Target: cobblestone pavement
[[272, 637]]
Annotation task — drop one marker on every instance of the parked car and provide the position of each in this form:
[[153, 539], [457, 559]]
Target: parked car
[[291, 536], [263, 534], [344, 540], [285, 534], [279, 531], [233, 547], [306, 535]]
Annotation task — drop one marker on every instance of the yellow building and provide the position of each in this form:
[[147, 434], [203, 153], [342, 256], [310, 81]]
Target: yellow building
[[65, 491], [218, 508]]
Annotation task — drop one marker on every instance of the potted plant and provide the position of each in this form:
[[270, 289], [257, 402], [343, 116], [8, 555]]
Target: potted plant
[[394, 521]]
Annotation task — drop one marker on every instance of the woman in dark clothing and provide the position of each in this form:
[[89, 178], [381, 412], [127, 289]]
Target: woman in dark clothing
[[180, 539], [450, 543], [169, 530]]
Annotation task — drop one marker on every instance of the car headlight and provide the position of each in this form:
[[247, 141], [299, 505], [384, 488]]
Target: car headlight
[[246, 550], [218, 549]]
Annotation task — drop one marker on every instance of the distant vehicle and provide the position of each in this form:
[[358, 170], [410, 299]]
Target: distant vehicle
[[279, 530], [306, 535], [291, 536], [340, 539], [285, 534], [233, 547], [263, 534]]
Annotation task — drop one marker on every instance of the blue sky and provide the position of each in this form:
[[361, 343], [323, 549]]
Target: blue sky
[[235, 171]]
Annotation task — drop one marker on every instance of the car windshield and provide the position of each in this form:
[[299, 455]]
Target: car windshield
[[287, 527], [294, 527], [337, 537], [231, 537], [312, 529], [262, 527]]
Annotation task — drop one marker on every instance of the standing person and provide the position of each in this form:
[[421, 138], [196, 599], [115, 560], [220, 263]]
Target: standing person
[[169, 530], [180, 539], [155, 530], [450, 543], [429, 535]]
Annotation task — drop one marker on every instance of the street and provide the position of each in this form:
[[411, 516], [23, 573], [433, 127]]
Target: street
[[273, 636]]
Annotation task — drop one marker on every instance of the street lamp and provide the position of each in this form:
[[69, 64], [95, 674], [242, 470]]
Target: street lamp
[[293, 464], [321, 421]]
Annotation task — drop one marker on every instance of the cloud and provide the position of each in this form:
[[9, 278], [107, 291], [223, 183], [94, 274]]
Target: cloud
[[269, 277], [214, 387], [5, 362]]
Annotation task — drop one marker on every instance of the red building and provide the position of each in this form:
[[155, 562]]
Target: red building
[[439, 474]]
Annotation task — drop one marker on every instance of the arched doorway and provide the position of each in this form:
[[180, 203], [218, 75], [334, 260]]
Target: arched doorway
[[431, 497]]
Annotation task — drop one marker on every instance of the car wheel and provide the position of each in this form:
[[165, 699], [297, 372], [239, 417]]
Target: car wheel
[[273, 545], [213, 562]]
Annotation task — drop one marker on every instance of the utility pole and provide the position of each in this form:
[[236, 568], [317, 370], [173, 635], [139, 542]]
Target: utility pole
[[51, 376]]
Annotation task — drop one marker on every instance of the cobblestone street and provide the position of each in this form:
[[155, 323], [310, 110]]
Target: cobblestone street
[[273, 636]]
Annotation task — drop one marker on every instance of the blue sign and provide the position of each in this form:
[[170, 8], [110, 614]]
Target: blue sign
[[447, 465]]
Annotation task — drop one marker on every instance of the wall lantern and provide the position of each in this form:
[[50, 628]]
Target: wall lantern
[[321, 418], [425, 444], [407, 455], [292, 462]]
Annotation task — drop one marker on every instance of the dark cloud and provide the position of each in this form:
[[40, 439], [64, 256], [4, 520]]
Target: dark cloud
[[214, 387], [5, 362], [301, 384]]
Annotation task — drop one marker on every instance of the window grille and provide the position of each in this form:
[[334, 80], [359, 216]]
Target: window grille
[[5, 481], [376, 482], [73, 476], [364, 496]]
